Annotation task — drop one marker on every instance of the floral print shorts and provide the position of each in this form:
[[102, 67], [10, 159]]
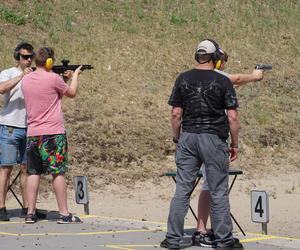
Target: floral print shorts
[[47, 154]]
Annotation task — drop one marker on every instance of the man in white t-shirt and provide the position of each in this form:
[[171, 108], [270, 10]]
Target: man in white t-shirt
[[13, 124]]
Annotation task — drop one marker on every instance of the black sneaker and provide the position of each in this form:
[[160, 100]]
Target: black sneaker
[[68, 219], [182, 244], [3, 214], [166, 244], [203, 239], [235, 245], [30, 219]]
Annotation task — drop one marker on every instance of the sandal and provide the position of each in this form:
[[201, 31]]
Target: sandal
[[30, 219], [68, 219]]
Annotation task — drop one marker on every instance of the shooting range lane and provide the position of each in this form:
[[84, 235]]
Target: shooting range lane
[[99, 232]]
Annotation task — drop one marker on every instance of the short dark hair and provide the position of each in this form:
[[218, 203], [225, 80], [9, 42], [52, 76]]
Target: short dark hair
[[42, 55], [203, 58], [22, 45]]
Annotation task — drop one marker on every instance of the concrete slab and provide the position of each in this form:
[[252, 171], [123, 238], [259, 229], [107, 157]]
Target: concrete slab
[[99, 232]]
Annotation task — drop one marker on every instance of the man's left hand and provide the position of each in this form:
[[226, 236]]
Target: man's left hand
[[233, 153], [68, 74], [27, 71]]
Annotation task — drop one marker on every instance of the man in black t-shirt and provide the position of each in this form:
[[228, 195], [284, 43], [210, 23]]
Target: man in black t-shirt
[[200, 100]]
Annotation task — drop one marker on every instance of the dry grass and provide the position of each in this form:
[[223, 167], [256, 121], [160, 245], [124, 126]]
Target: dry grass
[[118, 125]]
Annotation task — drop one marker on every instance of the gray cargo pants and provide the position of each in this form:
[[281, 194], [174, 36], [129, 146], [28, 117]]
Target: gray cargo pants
[[192, 151]]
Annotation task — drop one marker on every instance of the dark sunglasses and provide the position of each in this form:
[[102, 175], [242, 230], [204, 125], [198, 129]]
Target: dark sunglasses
[[26, 57]]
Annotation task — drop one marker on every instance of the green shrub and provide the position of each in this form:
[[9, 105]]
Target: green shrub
[[11, 16]]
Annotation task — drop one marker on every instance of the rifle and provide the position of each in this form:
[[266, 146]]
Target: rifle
[[264, 66], [60, 69]]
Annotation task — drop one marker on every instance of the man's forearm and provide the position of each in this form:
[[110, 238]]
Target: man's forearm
[[176, 127], [234, 133], [176, 117], [240, 79], [74, 83], [234, 127], [10, 84], [72, 91]]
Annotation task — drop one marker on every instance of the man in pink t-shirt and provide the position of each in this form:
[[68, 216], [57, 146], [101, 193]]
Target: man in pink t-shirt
[[47, 147]]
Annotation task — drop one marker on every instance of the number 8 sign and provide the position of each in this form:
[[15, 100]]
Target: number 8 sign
[[259, 206], [81, 190]]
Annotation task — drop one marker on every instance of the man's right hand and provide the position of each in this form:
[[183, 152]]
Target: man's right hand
[[258, 74], [233, 153]]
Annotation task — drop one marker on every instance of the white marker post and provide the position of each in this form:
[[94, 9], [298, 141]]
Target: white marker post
[[81, 192], [260, 208]]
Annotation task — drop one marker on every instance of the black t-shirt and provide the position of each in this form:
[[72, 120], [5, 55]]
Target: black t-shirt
[[204, 96]]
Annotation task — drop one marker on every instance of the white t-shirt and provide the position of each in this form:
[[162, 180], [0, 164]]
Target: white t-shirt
[[222, 73], [13, 112]]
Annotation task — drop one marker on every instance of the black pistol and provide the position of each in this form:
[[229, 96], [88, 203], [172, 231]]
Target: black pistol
[[264, 66]]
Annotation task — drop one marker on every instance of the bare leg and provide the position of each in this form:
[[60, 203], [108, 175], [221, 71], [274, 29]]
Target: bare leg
[[60, 189], [23, 181], [32, 188], [4, 183], [203, 210]]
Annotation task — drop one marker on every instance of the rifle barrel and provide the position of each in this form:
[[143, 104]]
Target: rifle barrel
[[59, 69]]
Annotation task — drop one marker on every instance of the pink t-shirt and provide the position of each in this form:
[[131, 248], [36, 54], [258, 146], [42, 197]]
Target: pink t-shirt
[[43, 92]]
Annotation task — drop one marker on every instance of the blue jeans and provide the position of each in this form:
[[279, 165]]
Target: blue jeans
[[13, 145]]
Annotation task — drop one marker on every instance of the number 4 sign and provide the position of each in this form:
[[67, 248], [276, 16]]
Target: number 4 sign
[[259, 206]]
